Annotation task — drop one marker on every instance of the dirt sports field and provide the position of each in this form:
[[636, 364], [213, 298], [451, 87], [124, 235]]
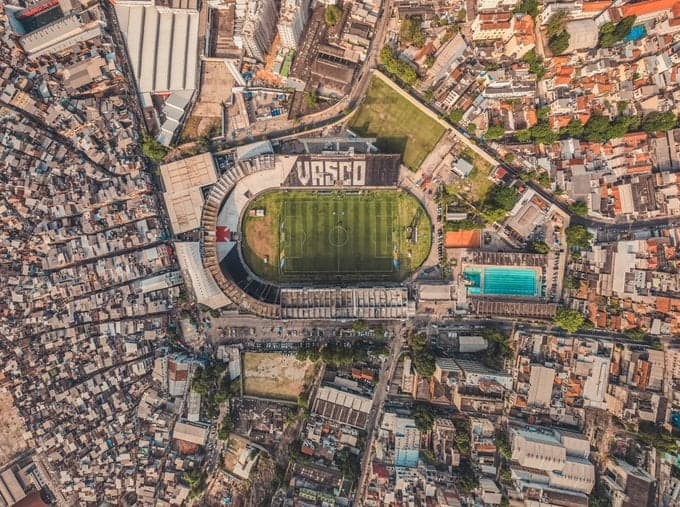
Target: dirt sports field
[[11, 429], [336, 236], [276, 376]]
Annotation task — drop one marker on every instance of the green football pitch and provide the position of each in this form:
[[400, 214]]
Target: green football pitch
[[336, 236]]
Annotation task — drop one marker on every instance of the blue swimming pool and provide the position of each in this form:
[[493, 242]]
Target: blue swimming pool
[[501, 282], [636, 33]]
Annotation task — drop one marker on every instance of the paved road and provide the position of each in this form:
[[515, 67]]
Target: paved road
[[386, 374]]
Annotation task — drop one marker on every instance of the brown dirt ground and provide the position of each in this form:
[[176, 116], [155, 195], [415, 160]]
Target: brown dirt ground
[[11, 429], [258, 234], [274, 375]]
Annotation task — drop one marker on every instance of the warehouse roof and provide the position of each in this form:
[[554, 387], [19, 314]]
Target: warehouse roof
[[163, 46]]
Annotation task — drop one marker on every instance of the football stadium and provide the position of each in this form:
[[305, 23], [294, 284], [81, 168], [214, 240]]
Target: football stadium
[[290, 236], [326, 233]]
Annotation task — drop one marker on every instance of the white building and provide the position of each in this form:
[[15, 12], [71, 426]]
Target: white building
[[292, 20], [406, 439], [559, 461], [540, 386], [257, 24]]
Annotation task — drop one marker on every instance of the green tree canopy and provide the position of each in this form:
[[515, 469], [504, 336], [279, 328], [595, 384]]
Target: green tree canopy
[[540, 247], [579, 208], [578, 236], [456, 115], [411, 31], [529, 7], [657, 121], [332, 15], [152, 149], [396, 67], [494, 132], [574, 129], [424, 418], [559, 43], [610, 33], [569, 320], [557, 23]]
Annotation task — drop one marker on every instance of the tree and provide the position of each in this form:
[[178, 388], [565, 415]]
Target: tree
[[657, 121], [535, 64], [574, 129], [542, 133], [556, 24], [348, 464], [597, 129], [153, 150], [523, 136], [569, 320], [456, 115], [472, 128], [540, 247], [509, 158], [610, 33], [411, 31], [332, 15], [559, 43], [429, 61], [424, 418], [226, 428], [529, 7], [578, 236], [461, 16], [494, 132], [579, 208], [397, 68], [311, 99]]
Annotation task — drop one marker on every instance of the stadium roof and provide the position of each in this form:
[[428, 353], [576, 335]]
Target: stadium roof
[[197, 171], [163, 46], [203, 284], [182, 181]]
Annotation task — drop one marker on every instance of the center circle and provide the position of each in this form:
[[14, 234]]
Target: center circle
[[338, 236]]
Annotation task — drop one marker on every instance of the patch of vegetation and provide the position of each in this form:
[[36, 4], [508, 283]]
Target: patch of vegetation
[[499, 348], [494, 133], [600, 129], [503, 444], [226, 428], [529, 7], [421, 355], [153, 150], [411, 31], [535, 63], [569, 320], [214, 387], [558, 37], [311, 98], [349, 464], [539, 247], [656, 437], [397, 123], [657, 121], [579, 208], [455, 115], [611, 33], [423, 417], [578, 236], [559, 43], [499, 201], [397, 68], [332, 15]]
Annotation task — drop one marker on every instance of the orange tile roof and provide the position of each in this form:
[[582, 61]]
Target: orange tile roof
[[463, 239], [596, 6], [647, 7]]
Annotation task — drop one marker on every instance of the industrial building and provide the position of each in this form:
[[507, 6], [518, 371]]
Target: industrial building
[[540, 386], [557, 461], [62, 33], [342, 407], [406, 439], [162, 40]]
